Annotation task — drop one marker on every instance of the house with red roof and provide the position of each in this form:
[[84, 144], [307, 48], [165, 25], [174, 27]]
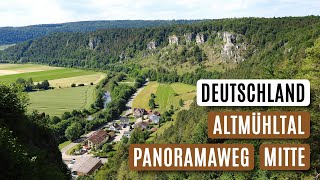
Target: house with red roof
[[97, 139]]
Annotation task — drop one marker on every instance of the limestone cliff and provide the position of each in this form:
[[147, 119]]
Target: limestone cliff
[[94, 42], [173, 40], [151, 45], [231, 48], [200, 38]]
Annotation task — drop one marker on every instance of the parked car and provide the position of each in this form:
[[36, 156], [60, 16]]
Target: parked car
[[73, 161]]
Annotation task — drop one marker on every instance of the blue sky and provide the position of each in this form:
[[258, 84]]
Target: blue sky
[[29, 12]]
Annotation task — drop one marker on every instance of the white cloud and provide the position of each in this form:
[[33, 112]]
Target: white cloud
[[26, 12]]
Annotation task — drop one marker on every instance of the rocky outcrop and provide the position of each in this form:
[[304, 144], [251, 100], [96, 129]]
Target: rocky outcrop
[[188, 37], [229, 40], [123, 56], [173, 40], [231, 49], [151, 45], [94, 42], [200, 38]]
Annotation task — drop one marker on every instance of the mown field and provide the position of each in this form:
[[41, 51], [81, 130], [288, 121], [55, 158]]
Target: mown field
[[60, 99], [46, 75], [166, 95], [57, 101]]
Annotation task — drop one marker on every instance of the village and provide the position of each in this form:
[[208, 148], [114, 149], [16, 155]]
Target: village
[[92, 150], [85, 162]]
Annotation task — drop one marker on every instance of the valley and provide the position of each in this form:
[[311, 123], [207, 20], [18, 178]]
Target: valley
[[150, 76]]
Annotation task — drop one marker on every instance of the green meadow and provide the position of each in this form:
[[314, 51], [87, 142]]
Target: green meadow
[[166, 95], [57, 101], [46, 75]]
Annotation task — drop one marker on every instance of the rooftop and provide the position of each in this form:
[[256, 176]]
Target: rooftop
[[85, 164], [98, 137], [124, 120]]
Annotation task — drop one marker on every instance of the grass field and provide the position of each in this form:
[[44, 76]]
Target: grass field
[[57, 101], [86, 80], [46, 75], [64, 144], [60, 99], [10, 69], [166, 95], [142, 99]]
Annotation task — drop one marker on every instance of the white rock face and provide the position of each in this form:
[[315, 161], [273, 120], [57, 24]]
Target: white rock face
[[230, 49], [173, 40], [94, 42], [151, 45], [188, 37], [200, 39]]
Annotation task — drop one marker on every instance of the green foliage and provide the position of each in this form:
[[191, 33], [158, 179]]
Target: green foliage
[[74, 131], [26, 144], [181, 103], [29, 85], [152, 103], [137, 137]]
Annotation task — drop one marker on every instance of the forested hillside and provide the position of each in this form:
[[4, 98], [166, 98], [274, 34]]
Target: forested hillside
[[11, 35], [215, 45], [27, 146], [291, 54]]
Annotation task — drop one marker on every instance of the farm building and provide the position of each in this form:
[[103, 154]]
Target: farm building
[[86, 166], [97, 139]]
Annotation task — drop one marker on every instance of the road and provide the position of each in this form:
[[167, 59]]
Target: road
[[129, 103], [67, 158]]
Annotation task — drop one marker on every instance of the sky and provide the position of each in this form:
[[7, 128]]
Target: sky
[[31, 12]]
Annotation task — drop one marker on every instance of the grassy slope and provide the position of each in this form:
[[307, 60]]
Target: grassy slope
[[46, 75], [142, 100], [164, 97], [167, 95], [57, 101], [185, 92]]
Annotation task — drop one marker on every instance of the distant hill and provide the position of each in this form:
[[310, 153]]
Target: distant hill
[[12, 35]]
